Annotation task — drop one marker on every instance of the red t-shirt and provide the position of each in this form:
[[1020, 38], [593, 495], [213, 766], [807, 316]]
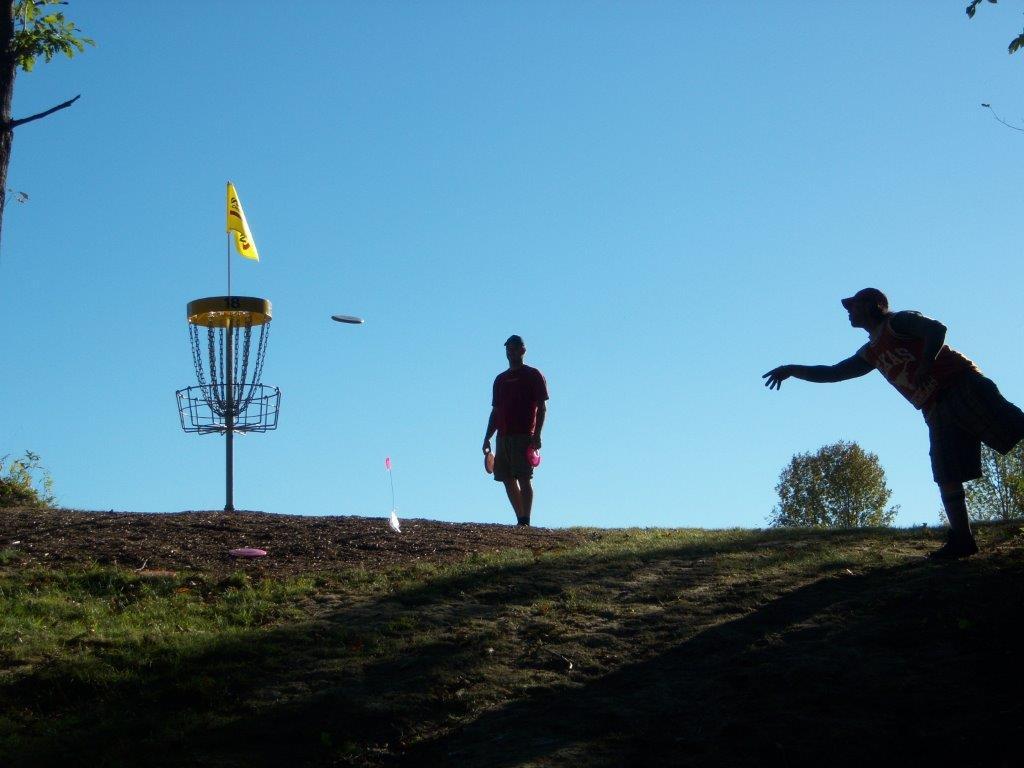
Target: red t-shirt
[[516, 395], [897, 357]]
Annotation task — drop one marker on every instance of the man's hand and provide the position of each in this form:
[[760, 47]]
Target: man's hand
[[776, 376]]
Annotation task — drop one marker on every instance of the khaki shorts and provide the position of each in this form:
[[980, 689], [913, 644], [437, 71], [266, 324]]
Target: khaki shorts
[[510, 458], [967, 414]]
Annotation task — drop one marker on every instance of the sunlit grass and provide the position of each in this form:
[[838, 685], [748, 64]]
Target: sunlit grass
[[47, 614]]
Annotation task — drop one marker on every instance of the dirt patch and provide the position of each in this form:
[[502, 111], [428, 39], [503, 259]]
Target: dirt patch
[[294, 544]]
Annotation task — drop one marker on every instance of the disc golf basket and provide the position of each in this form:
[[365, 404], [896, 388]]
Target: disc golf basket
[[229, 397]]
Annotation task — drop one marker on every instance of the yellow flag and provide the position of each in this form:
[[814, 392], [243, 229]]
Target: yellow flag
[[240, 227]]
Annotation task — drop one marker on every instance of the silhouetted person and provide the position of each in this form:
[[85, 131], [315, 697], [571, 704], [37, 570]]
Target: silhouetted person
[[517, 413], [962, 408]]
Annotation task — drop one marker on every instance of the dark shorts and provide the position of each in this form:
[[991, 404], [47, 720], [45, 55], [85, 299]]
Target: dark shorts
[[510, 458], [969, 413]]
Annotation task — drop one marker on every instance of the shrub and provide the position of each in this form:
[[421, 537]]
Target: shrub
[[999, 493], [840, 486], [26, 482]]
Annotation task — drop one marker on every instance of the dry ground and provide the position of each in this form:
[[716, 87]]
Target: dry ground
[[295, 545]]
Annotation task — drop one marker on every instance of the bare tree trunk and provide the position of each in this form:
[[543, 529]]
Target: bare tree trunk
[[8, 71]]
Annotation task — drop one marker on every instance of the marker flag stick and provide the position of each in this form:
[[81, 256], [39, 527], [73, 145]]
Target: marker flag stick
[[387, 466], [393, 522]]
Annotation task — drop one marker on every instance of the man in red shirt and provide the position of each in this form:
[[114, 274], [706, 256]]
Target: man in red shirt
[[961, 407], [517, 414]]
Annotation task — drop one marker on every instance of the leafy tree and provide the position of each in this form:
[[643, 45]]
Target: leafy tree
[[26, 483], [999, 494], [30, 29], [1015, 45], [840, 486]]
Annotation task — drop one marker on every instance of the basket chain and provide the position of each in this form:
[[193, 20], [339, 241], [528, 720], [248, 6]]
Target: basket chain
[[215, 393], [197, 358]]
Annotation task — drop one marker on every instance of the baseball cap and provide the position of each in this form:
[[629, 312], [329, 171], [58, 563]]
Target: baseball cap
[[869, 296], [515, 339]]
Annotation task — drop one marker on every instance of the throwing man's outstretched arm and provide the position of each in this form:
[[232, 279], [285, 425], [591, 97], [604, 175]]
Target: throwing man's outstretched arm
[[850, 368]]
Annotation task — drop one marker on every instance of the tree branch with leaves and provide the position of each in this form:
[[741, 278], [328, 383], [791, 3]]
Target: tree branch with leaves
[[1016, 44], [30, 30]]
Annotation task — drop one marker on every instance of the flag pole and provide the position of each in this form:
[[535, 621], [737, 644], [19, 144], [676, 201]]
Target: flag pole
[[229, 432], [229, 251]]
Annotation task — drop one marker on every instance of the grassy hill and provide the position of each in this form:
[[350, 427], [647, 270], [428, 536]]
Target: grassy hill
[[135, 640]]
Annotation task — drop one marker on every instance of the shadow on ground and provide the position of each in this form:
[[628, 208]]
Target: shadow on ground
[[819, 665], [838, 672]]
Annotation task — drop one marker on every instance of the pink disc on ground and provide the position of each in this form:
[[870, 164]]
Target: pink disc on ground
[[247, 552]]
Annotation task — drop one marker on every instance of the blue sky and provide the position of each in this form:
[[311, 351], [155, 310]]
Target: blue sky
[[665, 200]]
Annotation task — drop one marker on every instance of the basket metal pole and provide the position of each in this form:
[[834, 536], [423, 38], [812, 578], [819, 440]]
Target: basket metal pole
[[229, 418]]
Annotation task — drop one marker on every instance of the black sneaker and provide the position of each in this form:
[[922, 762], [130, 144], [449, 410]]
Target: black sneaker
[[956, 547]]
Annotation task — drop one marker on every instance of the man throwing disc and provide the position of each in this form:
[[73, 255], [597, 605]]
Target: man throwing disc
[[517, 414], [961, 407]]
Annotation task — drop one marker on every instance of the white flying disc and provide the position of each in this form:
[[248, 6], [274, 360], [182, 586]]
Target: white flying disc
[[351, 319]]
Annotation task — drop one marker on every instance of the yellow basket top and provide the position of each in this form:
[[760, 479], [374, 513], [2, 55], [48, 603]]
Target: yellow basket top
[[224, 311]]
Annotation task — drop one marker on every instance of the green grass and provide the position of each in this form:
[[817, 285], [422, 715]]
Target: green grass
[[635, 646], [54, 614]]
